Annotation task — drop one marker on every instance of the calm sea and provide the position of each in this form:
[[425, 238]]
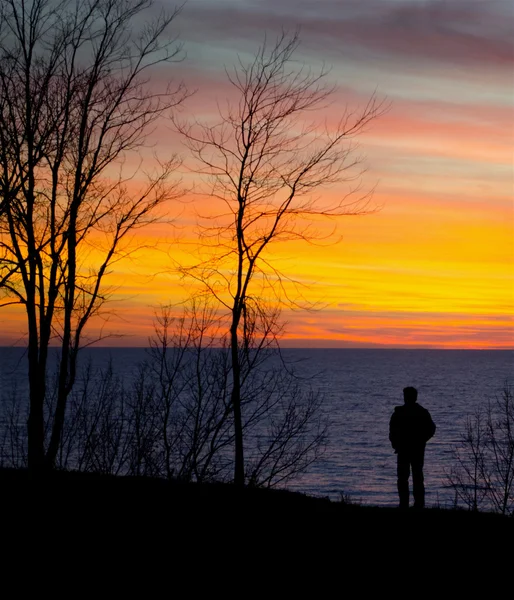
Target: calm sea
[[361, 387]]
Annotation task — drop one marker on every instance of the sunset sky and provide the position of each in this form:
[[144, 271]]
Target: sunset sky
[[433, 264]]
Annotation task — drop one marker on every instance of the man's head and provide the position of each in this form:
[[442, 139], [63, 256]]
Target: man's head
[[410, 395]]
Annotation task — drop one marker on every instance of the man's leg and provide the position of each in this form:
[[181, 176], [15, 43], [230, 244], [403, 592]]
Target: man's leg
[[403, 479], [418, 484]]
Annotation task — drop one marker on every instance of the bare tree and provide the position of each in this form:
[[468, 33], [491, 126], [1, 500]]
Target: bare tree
[[498, 471], [266, 161], [466, 474], [483, 473], [173, 418], [292, 435], [191, 375], [75, 102], [190, 367]]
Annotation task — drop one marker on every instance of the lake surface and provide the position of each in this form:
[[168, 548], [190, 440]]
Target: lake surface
[[361, 387]]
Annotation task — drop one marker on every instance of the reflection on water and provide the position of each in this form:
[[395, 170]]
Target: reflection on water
[[361, 388]]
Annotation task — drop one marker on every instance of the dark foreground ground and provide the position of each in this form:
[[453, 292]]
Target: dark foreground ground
[[142, 521], [143, 503]]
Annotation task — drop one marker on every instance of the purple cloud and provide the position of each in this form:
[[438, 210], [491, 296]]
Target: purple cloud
[[457, 32]]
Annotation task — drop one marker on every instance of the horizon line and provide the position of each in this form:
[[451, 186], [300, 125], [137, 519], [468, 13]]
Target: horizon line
[[295, 347]]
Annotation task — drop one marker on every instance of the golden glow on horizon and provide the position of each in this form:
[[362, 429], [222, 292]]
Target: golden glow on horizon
[[415, 274]]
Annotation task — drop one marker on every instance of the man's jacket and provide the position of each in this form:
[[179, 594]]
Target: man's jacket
[[411, 427]]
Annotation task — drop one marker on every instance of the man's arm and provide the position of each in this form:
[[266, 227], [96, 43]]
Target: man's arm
[[393, 431], [430, 427]]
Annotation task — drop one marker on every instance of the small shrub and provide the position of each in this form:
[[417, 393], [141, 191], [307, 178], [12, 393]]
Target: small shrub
[[483, 473]]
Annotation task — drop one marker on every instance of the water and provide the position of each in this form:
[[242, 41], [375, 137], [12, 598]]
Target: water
[[361, 387]]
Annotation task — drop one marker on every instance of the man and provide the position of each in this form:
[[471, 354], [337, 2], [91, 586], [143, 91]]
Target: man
[[410, 428]]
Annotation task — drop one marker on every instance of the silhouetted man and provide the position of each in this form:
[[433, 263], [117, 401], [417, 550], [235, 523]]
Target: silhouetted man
[[410, 428]]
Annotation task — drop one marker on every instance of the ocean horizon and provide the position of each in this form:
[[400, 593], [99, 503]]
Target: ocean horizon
[[359, 388]]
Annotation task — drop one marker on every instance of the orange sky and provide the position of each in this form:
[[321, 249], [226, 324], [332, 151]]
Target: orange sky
[[433, 266]]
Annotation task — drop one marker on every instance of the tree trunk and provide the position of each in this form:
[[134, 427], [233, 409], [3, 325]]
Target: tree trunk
[[35, 426], [239, 472], [37, 379]]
